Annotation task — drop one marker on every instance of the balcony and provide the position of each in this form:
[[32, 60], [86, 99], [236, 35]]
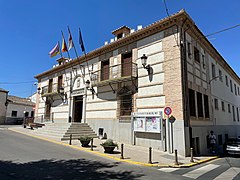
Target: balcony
[[113, 74], [50, 90]]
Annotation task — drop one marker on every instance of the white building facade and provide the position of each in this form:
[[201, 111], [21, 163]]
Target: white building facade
[[178, 74], [18, 109]]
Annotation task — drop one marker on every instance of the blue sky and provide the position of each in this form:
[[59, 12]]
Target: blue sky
[[30, 29]]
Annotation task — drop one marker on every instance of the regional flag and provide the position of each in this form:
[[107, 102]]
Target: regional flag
[[55, 51], [70, 42], [64, 45], [81, 41]]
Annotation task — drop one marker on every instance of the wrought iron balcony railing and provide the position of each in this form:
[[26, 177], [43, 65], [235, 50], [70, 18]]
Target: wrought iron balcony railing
[[51, 89], [116, 73]]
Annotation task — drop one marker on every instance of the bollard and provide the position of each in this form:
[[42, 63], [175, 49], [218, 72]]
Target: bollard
[[92, 144], [70, 140], [191, 151], [176, 158], [121, 152], [150, 155]]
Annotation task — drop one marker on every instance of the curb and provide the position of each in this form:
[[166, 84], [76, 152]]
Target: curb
[[194, 163], [115, 158]]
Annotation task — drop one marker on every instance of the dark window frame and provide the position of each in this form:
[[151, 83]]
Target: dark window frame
[[14, 114], [200, 104], [192, 102], [196, 54]]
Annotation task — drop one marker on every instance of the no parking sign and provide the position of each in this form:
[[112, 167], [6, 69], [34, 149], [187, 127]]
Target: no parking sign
[[167, 111]]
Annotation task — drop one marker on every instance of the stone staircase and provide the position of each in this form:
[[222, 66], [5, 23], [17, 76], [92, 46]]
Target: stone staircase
[[62, 131], [77, 130], [53, 130]]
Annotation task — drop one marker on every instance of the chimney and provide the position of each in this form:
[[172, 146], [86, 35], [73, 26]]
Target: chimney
[[121, 32]]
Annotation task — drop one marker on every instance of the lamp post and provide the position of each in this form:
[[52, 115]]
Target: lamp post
[[214, 78], [144, 63]]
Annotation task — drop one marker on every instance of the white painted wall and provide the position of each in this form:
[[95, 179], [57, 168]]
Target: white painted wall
[[19, 108]]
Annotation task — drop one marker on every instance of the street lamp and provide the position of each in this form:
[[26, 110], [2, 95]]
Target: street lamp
[[88, 87], [214, 78], [144, 63]]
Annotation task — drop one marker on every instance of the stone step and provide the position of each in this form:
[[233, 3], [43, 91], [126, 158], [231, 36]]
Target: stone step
[[80, 134], [79, 130], [74, 138]]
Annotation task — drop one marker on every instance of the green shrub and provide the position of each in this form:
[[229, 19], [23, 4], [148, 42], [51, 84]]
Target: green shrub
[[109, 142], [85, 138]]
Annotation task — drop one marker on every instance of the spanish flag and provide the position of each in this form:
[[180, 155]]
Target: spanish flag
[[55, 51], [64, 46]]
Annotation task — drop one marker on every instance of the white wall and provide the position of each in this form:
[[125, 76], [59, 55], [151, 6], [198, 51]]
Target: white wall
[[20, 109]]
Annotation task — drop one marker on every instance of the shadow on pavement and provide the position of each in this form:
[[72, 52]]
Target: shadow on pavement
[[69, 169]]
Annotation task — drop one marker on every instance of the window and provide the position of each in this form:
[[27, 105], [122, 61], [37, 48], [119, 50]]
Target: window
[[237, 114], [226, 78], [50, 85], [60, 82], [127, 64], [231, 87], [26, 114], [216, 103], [226, 137], [213, 71], [189, 49], [223, 106], [14, 113], [233, 110], [105, 70], [199, 104], [192, 102], [235, 89], [196, 55], [32, 113], [206, 106], [125, 105], [119, 35], [220, 75], [238, 91], [220, 140], [229, 108], [203, 61]]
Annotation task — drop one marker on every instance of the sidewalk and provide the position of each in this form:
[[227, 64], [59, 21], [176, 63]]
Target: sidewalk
[[132, 154]]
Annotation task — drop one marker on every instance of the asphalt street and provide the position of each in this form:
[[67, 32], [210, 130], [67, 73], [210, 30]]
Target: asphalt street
[[24, 157]]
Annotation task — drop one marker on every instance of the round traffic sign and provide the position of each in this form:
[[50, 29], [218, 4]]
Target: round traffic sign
[[167, 110]]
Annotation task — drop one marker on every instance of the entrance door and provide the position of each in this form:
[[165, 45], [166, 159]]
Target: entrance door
[[78, 106], [47, 110]]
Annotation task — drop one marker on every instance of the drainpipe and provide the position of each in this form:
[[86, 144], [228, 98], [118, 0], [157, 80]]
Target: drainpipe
[[70, 100], [186, 114]]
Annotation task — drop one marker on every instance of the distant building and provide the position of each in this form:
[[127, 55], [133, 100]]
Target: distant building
[[18, 108], [3, 105], [183, 71], [33, 97]]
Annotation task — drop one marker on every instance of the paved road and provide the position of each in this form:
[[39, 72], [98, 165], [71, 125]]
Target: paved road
[[24, 157], [225, 169]]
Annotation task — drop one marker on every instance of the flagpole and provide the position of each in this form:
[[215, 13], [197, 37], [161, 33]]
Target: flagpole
[[71, 85], [75, 50], [60, 49], [84, 51], [67, 48]]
